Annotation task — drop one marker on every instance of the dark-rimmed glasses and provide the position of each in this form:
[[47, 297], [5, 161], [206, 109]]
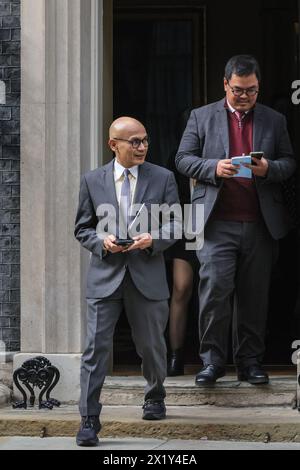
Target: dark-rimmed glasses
[[240, 91], [136, 142]]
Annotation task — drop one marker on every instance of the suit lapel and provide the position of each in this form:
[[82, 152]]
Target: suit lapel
[[142, 183], [109, 183], [258, 124], [222, 121]]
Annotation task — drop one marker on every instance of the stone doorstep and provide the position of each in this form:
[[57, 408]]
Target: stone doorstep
[[260, 424], [281, 391]]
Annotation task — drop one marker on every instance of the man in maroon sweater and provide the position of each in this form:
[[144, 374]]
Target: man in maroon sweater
[[244, 218]]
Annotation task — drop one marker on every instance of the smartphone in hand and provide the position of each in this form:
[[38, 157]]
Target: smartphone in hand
[[257, 155], [123, 242]]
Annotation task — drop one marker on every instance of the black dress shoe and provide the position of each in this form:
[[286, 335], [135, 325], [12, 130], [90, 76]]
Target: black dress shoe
[[87, 434], [254, 374], [154, 410], [208, 375], [176, 364]]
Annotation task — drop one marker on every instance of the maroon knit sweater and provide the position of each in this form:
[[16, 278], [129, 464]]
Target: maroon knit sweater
[[238, 200]]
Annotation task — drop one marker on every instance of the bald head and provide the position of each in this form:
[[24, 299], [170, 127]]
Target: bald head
[[129, 141], [124, 127]]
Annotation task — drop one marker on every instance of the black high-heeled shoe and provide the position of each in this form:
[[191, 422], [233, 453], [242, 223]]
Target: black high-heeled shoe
[[176, 363]]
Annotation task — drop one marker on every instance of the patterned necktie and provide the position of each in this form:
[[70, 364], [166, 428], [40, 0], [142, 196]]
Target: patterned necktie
[[240, 116], [125, 200]]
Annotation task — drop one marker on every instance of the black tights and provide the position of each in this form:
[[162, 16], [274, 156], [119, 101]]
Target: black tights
[[181, 294]]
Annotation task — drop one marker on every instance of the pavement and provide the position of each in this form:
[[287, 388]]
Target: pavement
[[130, 444]]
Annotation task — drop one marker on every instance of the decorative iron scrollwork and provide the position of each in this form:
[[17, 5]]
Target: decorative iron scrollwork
[[40, 373]]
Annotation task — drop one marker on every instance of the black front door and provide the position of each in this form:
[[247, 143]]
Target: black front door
[[168, 58]]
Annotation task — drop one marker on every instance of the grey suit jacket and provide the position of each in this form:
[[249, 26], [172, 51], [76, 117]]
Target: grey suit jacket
[[155, 185], [206, 140]]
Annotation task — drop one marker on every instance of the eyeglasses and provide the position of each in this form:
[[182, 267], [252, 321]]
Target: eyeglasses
[[136, 142], [240, 91]]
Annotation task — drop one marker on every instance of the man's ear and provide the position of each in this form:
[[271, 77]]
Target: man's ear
[[225, 83], [112, 145]]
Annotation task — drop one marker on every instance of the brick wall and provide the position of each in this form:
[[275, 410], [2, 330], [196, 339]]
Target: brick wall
[[10, 175]]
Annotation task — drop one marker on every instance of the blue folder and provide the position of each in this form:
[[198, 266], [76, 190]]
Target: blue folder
[[243, 171]]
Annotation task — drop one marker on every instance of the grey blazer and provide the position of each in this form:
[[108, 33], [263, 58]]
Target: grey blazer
[[206, 140], [155, 185]]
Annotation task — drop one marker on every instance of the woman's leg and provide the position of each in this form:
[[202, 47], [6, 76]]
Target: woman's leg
[[181, 294]]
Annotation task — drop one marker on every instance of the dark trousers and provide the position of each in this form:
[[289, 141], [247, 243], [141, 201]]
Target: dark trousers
[[235, 270], [147, 319]]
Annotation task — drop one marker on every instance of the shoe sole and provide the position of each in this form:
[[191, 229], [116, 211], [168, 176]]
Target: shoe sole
[[209, 384], [87, 443], [257, 381], [154, 417]]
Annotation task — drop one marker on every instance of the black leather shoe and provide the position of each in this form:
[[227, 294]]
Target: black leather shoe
[[254, 374], [154, 410], [87, 434], [176, 364], [208, 375]]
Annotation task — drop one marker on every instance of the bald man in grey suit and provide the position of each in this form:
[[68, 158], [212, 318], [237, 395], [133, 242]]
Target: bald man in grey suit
[[131, 277]]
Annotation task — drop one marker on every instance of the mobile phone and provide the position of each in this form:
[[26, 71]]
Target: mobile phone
[[257, 155], [123, 242]]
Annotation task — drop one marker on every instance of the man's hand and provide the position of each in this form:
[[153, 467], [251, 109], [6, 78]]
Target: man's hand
[[141, 242], [225, 169], [110, 246], [261, 167]]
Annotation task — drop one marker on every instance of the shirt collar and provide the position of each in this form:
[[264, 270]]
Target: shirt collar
[[119, 170]]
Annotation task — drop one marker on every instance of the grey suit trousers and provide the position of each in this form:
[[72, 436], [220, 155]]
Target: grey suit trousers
[[147, 319], [235, 270]]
